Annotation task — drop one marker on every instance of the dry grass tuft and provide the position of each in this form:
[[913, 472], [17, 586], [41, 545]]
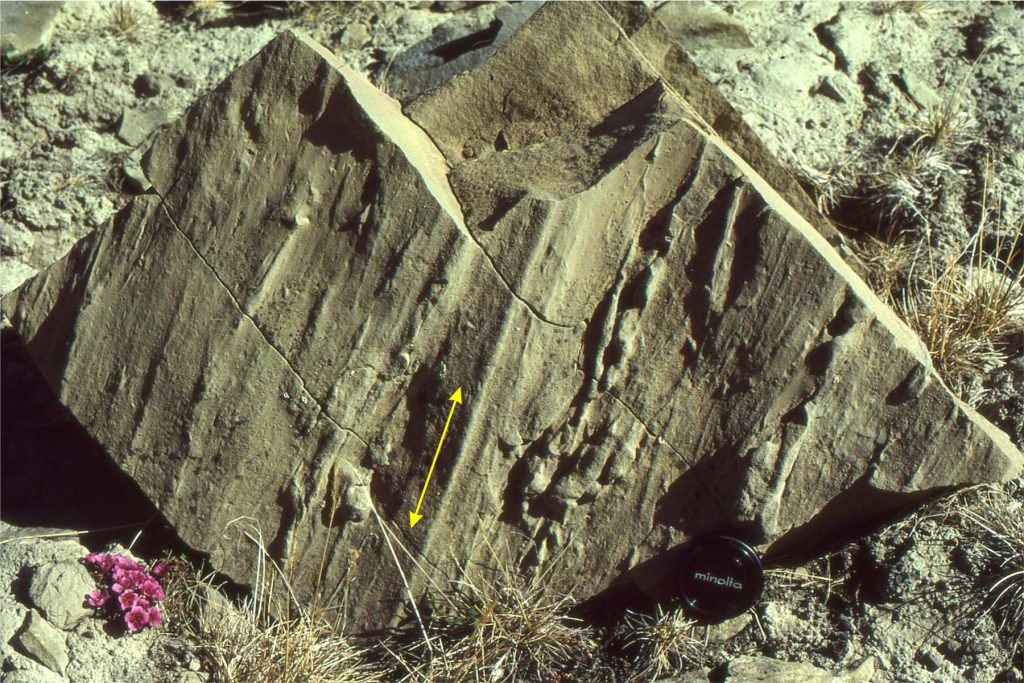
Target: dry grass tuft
[[316, 14], [889, 10], [206, 11], [498, 625], [996, 519], [967, 307], [129, 19], [663, 644], [899, 185], [904, 183], [968, 311], [945, 127], [830, 184], [248, 644], [888, 262]]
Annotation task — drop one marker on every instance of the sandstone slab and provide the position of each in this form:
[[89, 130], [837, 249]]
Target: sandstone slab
[[651, 341]]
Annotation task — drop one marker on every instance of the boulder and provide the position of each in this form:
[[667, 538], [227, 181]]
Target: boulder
[[138, 123], [651, 342]]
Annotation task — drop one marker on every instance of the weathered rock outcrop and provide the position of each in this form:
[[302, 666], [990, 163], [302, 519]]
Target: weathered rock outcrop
[[650, 341]]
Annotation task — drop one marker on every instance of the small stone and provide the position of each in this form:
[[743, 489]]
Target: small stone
[[27, 26], [59, 591], [12, 616], [729, 628], [698, 27], [918, 90], [851, 38], [150, 85], [215, 610], [354, 37], [136, 125], [931, 659], [757, 668], [43, 643], [829, 90], [424, 66], [135, 181], [454, 5]]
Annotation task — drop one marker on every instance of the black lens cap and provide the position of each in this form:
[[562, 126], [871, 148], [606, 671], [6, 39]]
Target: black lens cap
[[719, 577]]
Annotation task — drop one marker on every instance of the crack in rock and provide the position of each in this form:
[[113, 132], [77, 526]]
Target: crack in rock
[[234, 300]]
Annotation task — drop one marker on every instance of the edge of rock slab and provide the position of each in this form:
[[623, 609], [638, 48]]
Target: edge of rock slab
[[653, 39], [447, 126], [383, 113], [386, 113]]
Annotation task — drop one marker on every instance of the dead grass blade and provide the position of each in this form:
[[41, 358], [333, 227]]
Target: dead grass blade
[[494, 623], [249, 644], [997, 521]]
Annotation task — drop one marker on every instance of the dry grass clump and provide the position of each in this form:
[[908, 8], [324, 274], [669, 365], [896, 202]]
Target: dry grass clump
[[901, 183], [968, 309], [904, 184], [499, 625], [248, 644], [663, 644], [996, 520], [965, 301], [891, 10], [945, 126], [906, 180], [889, 7], [887, 262], [316, 14], [831, 184], [206, 11], [129, 19], [967, 313]]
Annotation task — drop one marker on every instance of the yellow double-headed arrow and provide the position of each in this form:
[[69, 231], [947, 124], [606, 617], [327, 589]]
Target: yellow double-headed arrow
[[455, 398]]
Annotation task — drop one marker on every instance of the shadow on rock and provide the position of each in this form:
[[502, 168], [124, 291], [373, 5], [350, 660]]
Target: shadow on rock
[[54, 476]]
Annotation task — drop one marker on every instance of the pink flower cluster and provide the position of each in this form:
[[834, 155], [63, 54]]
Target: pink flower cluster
[[131, 592]]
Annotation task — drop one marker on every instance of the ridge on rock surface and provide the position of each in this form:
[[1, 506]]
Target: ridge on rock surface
[[649, 338]]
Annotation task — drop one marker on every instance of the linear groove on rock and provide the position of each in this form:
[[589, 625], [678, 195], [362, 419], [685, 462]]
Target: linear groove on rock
[[490, 259], [234, 299]]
